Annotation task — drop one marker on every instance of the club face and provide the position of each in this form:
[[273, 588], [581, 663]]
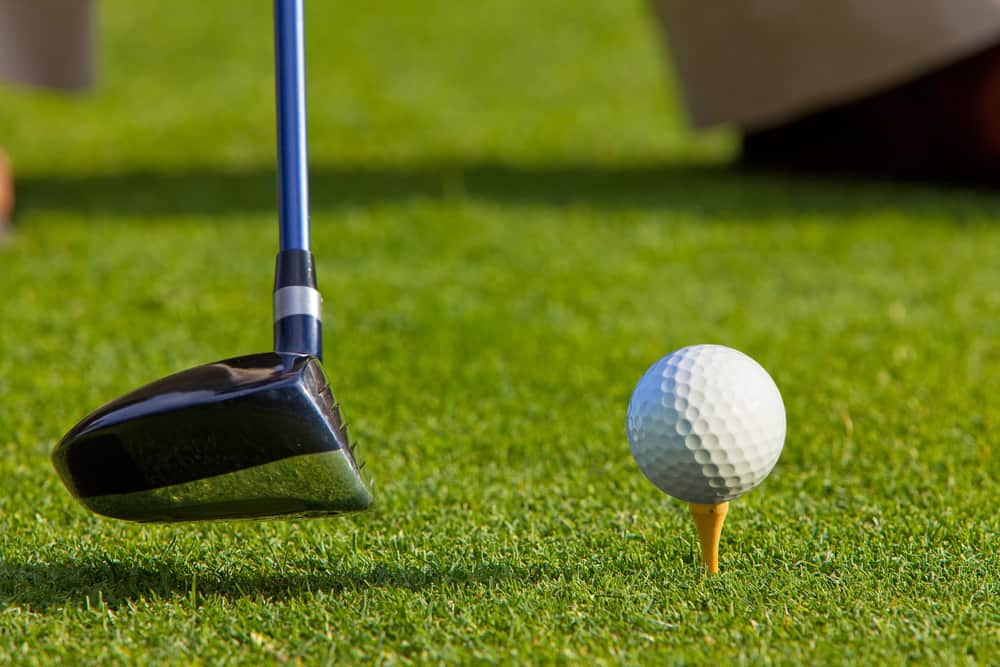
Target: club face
[[250, 437]]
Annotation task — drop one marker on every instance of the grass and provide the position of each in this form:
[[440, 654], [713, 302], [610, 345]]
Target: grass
[[511, 223]]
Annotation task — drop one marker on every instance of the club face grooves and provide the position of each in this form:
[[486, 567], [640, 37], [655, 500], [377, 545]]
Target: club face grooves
[[233, 439]]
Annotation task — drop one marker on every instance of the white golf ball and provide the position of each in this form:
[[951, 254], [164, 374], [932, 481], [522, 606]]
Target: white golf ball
[[706, 424]]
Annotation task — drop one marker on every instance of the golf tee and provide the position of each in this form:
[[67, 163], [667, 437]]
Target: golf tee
[[709, 520]]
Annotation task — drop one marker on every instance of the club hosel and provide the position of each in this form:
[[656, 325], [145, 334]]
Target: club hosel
[[297, 305]]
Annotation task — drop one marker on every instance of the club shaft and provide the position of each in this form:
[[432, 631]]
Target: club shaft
[[290, 92], [297, 303]]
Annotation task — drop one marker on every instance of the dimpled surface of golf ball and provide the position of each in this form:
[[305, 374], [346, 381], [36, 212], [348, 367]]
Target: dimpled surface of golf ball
[[706, 424]]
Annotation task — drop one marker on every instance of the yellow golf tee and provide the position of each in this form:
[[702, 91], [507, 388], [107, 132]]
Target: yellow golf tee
[[709, 519]]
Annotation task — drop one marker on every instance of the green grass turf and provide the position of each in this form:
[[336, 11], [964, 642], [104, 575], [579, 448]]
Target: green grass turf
[[511, 224]]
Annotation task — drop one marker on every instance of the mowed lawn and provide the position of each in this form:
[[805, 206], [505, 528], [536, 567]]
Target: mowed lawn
[[511, 223]]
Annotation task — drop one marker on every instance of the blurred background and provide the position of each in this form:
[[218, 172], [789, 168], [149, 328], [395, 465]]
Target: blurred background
[[442, 82]]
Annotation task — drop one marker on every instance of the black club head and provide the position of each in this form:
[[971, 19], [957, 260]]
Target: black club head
[[249, 437]]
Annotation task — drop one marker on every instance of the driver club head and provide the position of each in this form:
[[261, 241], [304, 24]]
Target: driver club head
[[250, 437]]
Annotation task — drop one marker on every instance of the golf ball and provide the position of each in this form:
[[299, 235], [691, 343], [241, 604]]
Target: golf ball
[[706, 424]]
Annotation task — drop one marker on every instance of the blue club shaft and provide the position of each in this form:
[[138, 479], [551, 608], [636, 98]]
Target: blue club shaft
[[297, 303], [290, 91]]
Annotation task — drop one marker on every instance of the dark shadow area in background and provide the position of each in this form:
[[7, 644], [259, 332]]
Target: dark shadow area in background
[[41, 586], [706, 190]]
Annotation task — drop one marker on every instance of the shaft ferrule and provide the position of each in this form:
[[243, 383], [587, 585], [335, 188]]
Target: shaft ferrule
[[298, 313]]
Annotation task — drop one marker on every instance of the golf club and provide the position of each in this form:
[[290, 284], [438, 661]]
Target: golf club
[[249, 437]]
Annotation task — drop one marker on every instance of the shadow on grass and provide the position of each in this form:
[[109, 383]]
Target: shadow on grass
[[40, 586], [706, 190]]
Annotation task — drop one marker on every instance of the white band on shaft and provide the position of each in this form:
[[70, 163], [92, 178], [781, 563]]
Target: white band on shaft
[[297, 300]]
